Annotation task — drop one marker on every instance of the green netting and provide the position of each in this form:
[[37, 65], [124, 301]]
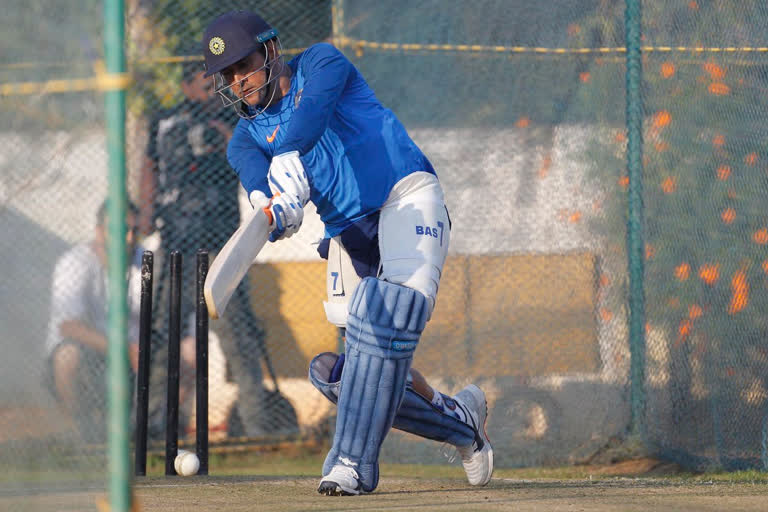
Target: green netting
[[52, 177], [705, 181], [521, 113]]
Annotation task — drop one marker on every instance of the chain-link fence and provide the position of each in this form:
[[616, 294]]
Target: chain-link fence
[[52, 180], [521, 107], [706, 235], [190, 199]]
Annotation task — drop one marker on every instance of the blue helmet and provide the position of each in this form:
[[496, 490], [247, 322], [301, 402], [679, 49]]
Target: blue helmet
[[232, 37]]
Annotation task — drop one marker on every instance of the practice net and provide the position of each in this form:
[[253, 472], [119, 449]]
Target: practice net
[[520, 106]]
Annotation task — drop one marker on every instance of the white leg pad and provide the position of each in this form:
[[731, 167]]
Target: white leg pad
[[414, 235]]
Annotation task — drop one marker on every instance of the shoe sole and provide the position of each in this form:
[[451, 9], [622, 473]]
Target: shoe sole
[[328, 488]]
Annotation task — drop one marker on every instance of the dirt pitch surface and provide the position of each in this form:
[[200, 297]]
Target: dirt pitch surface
[[263, 493], [287, 494]]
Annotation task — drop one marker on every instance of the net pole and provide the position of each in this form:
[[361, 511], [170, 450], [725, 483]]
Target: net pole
[[117, 354], [337, 22], [635, 244]]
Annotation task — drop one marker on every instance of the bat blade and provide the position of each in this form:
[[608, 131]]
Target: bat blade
[[235, 258]]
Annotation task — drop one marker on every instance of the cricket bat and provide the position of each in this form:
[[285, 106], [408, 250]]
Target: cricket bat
[[235, 258]]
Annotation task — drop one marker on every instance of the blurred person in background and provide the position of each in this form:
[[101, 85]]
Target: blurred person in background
[[189, 194], [76, 346]]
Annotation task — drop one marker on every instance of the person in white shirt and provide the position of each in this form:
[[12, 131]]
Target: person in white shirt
[[76, 345]]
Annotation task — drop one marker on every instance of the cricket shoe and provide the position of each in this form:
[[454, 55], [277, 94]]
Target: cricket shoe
[[477, 458], [341, 481]]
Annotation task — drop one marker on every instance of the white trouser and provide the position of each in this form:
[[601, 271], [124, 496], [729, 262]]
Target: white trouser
[[414, 236]]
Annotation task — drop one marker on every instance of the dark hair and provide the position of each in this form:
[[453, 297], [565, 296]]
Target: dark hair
[[101, 213]]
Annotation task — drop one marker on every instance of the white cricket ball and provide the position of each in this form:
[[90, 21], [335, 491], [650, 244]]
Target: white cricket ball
[[186, 463]]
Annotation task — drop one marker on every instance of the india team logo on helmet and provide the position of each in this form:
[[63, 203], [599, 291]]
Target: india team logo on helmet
[[216, 45], [245, 33]]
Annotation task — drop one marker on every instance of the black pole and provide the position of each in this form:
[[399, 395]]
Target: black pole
[[201, 334], [145, 344], [174, 356]]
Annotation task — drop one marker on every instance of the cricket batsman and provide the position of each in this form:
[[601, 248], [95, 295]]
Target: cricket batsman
[[311, 129]]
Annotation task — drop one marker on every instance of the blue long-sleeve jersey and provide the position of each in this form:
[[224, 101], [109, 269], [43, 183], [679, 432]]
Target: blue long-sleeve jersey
[[353, 149]]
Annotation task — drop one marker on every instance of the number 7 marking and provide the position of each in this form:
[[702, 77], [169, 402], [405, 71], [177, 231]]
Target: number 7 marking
[[441, 226], [335, 279]]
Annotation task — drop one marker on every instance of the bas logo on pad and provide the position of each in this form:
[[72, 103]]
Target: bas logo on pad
[[434, 232]]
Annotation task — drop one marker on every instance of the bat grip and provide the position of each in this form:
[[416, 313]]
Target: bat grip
[[268, 212], [266, 209]]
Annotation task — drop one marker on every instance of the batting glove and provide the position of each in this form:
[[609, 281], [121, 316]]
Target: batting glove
[[287, 216], [287, 177]]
